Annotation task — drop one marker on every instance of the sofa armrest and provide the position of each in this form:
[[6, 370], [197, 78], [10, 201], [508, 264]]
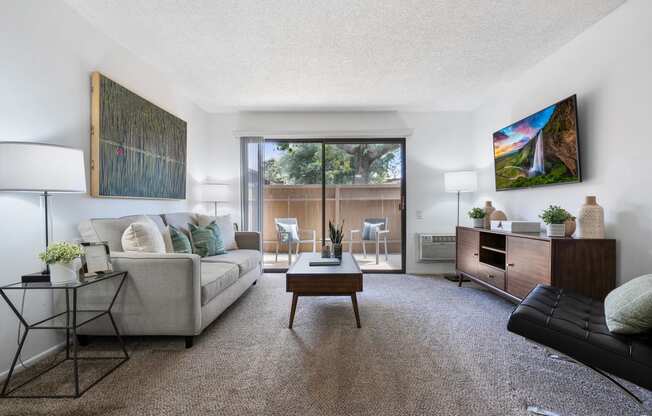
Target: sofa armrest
[[166, 287], [248, 240]]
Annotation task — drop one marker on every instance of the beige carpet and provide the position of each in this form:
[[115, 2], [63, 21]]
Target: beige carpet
[[426, 347]]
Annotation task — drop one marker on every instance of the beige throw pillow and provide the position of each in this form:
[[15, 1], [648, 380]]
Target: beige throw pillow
[[226, 228], [144, 237]]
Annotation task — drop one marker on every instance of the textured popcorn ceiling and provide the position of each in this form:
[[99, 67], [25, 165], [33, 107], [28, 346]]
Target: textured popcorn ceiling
[[341, 54]]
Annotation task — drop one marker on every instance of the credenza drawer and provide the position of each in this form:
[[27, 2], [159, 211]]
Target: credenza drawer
[[491, 275]]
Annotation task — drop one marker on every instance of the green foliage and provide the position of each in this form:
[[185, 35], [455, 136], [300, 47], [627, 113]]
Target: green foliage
[[61, 253], [476, 213], [336, 233], [555, 215], [300, 164]]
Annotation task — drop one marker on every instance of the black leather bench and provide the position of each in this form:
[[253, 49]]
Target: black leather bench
[[575, 326]]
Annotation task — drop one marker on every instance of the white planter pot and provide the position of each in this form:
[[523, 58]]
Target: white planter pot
[[556, 230], [61, 273], [478, 222]]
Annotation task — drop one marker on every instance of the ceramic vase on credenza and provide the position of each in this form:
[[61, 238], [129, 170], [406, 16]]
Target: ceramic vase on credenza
[[488, 210], [591, 219]]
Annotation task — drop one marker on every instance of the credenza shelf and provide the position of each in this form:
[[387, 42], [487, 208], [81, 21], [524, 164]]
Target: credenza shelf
[[496, 250], [512, 264]]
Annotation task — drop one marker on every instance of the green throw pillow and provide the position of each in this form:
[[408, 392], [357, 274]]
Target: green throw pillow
[[204, 241], [180, 241], [218, 237], [628, 308]]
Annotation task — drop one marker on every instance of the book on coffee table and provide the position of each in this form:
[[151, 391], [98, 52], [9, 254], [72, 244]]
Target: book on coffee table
[[326, 262]]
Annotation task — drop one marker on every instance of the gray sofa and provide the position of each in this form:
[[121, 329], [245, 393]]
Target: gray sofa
[[168, 293]]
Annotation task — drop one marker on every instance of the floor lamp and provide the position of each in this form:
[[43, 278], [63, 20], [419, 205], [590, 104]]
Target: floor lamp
[[215, 193], [458, 182], [41, 168]]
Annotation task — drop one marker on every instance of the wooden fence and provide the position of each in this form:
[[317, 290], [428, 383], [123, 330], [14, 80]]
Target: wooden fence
[[348, 203]]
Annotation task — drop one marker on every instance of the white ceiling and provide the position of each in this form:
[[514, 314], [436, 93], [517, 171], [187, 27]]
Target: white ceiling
[[232, 55]]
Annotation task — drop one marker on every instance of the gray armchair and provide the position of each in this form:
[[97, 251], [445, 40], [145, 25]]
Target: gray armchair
[[288, 232], [374, 230]]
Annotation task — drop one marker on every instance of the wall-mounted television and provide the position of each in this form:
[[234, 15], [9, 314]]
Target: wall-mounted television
[[541, 149]]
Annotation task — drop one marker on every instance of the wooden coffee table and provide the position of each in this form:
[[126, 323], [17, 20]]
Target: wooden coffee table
[[305, 280]]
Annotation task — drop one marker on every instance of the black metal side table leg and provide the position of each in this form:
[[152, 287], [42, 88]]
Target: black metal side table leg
[[74, 341], [20, 345], [115, 327], [67, 324]]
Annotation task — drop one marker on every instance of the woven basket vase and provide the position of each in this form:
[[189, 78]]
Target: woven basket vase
[[591, 219]]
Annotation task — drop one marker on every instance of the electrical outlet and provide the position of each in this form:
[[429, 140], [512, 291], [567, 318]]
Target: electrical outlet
[[419, 214]]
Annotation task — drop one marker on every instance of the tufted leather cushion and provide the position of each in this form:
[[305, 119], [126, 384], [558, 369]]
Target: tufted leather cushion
[[575, 325]]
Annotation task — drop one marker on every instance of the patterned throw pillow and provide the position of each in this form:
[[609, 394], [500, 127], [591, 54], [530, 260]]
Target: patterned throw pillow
[[370, 230], [289, 232], [180, 241], [219, 242], [204, 241]]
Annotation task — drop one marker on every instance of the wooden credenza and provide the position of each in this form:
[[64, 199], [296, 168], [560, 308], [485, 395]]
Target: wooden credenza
[[512, 264]]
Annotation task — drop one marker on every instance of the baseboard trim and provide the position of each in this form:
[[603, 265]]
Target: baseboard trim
[[34, 359]]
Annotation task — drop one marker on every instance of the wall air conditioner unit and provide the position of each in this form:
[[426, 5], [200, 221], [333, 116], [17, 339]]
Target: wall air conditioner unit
[[436, 248]]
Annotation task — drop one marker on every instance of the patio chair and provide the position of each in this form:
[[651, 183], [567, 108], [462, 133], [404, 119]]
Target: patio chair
[[288, 232], [375, 230]]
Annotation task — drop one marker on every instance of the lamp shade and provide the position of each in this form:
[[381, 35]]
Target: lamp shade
[[464, 181], [40, 167], [214, 192]]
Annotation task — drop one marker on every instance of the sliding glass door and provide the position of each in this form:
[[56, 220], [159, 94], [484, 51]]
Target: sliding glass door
[[365, 194], [292, 208], [357, 183]]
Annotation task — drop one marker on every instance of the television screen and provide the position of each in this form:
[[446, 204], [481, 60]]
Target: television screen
[[542, 149]]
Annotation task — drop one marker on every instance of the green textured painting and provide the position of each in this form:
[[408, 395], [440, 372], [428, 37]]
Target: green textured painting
[[138, 150]]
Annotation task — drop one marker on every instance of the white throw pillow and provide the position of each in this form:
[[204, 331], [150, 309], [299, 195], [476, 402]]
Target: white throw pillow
[[144, 237], [226, 227]]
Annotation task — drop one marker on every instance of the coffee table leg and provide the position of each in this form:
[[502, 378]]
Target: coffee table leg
[[354, 299], [295, 297]]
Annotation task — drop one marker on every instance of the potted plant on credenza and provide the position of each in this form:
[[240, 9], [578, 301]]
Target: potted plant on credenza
[[555, 218], [477, 215]]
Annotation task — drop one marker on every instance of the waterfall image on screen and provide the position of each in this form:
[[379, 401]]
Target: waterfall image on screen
[[541, 149]]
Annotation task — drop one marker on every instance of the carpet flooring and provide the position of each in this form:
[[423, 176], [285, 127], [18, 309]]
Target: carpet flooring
[[426, 347]]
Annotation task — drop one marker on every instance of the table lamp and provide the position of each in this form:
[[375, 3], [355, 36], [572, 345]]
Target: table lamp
[[44, 169]]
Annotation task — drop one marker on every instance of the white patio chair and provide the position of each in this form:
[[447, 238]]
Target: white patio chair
[[288, 232], [375, 230]]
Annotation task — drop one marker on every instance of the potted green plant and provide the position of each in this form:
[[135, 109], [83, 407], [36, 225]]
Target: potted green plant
[[60, 257], [477, 215], [336, 234], [555, 218]]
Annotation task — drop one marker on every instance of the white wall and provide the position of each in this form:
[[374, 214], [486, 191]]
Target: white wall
[[437, 145], [48, 54], [608, 67]]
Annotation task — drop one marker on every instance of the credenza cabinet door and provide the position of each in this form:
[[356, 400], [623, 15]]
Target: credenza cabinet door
[[468, 244], [528, 264]]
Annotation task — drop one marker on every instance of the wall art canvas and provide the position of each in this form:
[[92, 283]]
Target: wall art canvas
[[542, 149], [138, 150]]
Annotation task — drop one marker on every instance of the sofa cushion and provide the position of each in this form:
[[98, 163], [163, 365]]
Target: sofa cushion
[[143, 236], [226, 227], [108, 229], [180, 220], [628, 308], [246, 260], [215, 278]]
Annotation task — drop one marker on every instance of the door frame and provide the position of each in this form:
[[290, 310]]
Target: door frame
[[403, 204]]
